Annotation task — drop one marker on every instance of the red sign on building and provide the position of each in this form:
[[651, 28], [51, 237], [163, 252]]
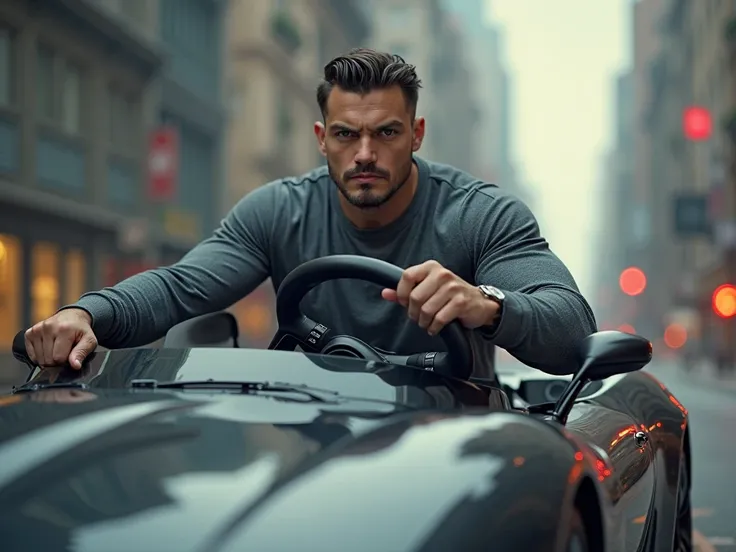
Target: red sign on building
[[163, 164]]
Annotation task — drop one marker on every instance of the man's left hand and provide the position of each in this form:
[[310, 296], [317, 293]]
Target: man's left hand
[[434, 297]]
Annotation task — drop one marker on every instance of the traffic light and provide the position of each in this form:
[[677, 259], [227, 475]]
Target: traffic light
[[724, 301], [696, 123], [633, 281]]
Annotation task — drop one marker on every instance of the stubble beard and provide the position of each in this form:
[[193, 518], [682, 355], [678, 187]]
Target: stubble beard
[[366, 198]]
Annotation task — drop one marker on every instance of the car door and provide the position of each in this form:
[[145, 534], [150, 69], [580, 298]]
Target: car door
[[624, 463]]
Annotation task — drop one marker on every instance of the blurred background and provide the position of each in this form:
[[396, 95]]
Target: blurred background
[[128, 128]]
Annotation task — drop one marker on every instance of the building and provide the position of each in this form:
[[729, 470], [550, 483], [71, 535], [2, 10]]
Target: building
[[275, 55], [74, 106], [191, 102], [619, 237], [492, 92]]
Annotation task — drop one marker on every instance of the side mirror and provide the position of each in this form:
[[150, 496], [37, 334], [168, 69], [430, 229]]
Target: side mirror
[[603, 354]]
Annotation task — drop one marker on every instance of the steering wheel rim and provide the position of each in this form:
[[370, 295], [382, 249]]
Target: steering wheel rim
[[300, 281]]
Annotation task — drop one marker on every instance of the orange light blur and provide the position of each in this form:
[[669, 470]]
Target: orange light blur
[[675, 336], [633, 281], [627, 328], [724, 301]]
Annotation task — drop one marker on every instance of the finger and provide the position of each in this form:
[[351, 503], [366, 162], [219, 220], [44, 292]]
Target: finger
[[410, 278], [62, 347], [425, 290], [86, 345], [390, 295], [48, 348], [433, 306], [449, 313], [30, 349]]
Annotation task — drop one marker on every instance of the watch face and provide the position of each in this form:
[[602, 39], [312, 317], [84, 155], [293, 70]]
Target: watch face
[[492, 293]]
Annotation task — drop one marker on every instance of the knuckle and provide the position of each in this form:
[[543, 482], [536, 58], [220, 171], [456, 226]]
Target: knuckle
[[415, 296], [425, 311]]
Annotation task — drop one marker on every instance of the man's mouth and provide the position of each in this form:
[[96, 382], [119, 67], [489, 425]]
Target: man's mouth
[[366, 177]]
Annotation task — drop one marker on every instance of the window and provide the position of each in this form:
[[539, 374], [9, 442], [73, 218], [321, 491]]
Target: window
[[124, 122], [76, 276], [44, 281], [45, 84], [7, 67], [284, 119], [10, 289], [71, 111]]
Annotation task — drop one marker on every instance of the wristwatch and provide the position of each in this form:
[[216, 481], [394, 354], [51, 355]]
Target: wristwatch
[[497, 296]]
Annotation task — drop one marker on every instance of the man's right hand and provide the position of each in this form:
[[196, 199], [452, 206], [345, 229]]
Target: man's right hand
[[65, 338]]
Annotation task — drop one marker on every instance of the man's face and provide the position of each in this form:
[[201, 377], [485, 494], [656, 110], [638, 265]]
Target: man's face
[[368, 141]]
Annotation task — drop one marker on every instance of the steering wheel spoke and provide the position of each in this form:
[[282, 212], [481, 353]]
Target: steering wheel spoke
[[305, 332]]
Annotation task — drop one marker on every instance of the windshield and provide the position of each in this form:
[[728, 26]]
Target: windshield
[[345, 377]]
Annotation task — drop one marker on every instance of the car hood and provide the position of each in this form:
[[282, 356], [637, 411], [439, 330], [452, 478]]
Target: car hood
[[103, 471]]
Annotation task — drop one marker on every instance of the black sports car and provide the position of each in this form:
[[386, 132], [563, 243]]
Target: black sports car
[[202, 446]]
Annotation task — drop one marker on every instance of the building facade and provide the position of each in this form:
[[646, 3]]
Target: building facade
[[74, 106], [84, 82], [275, 55]]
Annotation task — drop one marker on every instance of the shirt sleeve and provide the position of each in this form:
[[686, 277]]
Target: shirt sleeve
[[544, 317], [215, 274]]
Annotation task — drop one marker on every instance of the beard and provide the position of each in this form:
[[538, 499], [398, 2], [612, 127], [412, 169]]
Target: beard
[[367, 197]]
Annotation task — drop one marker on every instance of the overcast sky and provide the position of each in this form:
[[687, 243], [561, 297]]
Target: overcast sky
[[563, 56]]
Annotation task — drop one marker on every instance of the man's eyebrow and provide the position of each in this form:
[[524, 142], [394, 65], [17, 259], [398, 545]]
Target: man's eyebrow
[[342, 126], [389, 124]]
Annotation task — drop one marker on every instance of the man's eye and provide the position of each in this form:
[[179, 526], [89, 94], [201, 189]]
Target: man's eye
[[343, 134], [388, 132]]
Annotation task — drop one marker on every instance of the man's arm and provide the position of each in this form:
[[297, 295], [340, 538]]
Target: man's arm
[[215, 274], [544, 316]]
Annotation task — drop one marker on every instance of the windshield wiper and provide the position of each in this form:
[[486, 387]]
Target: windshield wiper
[[32, 387], [316, 395]]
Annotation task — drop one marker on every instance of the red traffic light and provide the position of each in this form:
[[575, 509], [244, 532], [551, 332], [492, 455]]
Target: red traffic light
[[697, 123], [724, 301], [633, 281]]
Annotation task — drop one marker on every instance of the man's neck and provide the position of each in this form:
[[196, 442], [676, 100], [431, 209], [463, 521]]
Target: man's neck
[[389, 211]]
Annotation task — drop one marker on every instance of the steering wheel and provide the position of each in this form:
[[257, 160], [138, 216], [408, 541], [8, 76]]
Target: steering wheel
[[311, 336]]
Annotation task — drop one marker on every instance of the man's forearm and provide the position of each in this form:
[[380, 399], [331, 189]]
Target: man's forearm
[[544, 329], [215, 274]]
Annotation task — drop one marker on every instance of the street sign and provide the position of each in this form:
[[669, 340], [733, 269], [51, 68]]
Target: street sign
[[691, 215], [163, 164]]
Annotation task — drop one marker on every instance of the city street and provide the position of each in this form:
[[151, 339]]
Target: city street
[[711, 404]]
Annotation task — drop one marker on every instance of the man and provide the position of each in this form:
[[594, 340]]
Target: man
[[455, 237]]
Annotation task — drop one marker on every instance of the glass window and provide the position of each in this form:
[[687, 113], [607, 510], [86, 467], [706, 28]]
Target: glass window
[[10, 289], [71, 111], [45, 83], [7, 67], [124, 119], [76, 276], [44, 281]]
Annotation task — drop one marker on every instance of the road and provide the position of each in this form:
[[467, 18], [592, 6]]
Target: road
[[711, 404]]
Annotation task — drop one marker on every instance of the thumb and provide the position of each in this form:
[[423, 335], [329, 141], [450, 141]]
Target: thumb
[[390, 295], [84, 347]]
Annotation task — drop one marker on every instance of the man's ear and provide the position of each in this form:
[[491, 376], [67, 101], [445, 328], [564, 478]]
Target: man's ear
[[418, 133], [320, 133]]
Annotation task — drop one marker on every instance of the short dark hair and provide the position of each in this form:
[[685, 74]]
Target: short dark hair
[[363, 70]]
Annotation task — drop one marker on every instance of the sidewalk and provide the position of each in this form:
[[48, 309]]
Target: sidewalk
[[706, 373]]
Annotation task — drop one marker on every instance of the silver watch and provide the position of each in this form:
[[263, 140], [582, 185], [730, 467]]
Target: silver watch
[[493, 293]]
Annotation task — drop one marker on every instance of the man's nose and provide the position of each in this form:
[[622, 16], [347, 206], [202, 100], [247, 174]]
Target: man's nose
[[366, 153]]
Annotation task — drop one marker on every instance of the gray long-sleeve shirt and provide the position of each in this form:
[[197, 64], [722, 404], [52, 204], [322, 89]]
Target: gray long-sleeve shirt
[[473, 228]]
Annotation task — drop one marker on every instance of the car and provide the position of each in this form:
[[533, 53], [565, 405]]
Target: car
[[200, 445]]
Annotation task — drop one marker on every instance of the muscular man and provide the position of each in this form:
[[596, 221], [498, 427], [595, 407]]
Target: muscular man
[[471, 252]]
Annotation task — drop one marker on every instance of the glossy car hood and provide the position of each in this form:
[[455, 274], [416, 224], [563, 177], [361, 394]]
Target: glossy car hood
[[86, 467], [159, 470]]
